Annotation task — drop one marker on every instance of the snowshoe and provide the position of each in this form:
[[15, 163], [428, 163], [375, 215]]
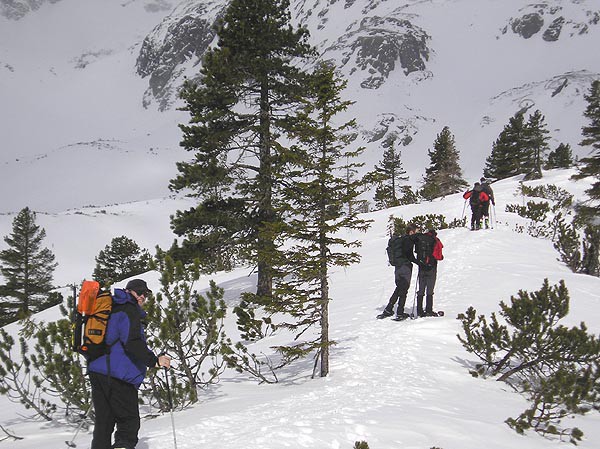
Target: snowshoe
[[384, 314], [436, 313], [401, 317]]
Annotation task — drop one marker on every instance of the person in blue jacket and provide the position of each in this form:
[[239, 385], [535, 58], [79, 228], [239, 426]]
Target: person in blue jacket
[[116, 376]]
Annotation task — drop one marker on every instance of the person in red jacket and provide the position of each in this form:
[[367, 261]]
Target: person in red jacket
[[476, 198]]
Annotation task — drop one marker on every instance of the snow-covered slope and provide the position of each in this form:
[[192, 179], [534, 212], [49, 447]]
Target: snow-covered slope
[[89, 88], [395, 385]]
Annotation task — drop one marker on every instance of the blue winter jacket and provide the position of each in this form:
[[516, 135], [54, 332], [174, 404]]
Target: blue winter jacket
[[128, 355]]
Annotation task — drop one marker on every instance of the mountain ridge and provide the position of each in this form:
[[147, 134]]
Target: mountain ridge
[[412, 69]]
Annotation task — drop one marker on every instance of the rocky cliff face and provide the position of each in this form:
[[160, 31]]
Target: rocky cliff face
[[371, 48], [179, 40], [376, 46], [552, 20]]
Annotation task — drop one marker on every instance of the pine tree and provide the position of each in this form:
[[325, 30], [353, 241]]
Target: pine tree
[[554, 366], [240, 110], [561, 157], [444, 175], [61, 368], [505, 161], [591, 137], [388, 176], [27, 268], [590, 261], [316, 202], [121, 259], [535, 145], [187, 325]]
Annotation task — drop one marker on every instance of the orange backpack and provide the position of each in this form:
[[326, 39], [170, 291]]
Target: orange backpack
[[93, 310]]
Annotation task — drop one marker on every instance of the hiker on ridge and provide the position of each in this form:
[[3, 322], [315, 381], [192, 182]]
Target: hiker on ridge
[[116, 376], [401, 255], [485, 206], [476, 197]]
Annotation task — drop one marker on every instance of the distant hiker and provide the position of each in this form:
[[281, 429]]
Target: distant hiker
[[485, 205], [117, 375], [476, 197], [401, 255], [429, 252]]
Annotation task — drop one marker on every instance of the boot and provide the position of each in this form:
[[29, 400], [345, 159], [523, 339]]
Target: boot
[[385, 314], [429, 305]]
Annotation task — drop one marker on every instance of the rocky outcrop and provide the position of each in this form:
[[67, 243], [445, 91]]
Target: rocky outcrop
[[552, 33], [527, 25], [16, 9], [393, 127], [552, 20], [375, 45], [180, 38], [371, 48]]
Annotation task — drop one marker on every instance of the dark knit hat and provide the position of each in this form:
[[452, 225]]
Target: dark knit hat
[[139, 286]]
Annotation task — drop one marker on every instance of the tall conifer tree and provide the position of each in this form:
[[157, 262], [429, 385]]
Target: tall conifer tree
[[27, 268], [121, 259], [561, 157], [587, 214], [316, 202], [505, 160], [535, 145], [444, 175], [250, 85], [591, 138], [388, 176]]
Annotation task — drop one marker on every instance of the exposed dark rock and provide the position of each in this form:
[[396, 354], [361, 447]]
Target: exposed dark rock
[[376, 44], [552, 33], [528, 24], [179, 38], [561, 87], [16, 9], [391, 127], [563, 20]]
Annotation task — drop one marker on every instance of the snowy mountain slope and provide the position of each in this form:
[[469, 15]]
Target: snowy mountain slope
[[392, 384], [77, 72]]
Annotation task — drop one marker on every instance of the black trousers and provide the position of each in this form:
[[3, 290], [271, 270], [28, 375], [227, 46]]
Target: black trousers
[[402, 277], [476, 217], [115, 403], [427, 280], [485, 209]]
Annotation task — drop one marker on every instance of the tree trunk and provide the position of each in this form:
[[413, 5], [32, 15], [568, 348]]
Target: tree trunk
[[264, 287], [324, 318]]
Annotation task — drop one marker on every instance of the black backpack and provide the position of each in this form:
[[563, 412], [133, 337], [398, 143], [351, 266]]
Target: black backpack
[[394, 251], [474, 199], [424, 248]]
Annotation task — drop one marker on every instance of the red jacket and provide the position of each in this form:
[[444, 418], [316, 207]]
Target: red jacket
[[483, 197]]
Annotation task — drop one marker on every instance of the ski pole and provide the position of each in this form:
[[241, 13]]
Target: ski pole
[[171, 407], [463, 212], [72, 442], [413, 314]]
